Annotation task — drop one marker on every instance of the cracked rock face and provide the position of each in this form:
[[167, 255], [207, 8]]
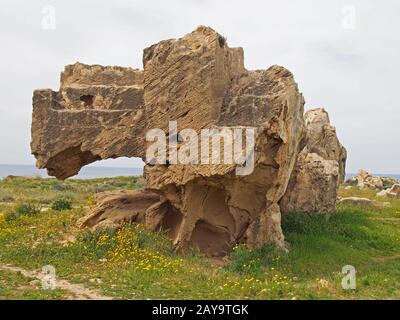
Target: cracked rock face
[[201, 83], [320, 168], [98, 113]]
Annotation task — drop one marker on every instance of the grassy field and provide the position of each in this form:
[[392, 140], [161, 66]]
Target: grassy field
[[38, 227]]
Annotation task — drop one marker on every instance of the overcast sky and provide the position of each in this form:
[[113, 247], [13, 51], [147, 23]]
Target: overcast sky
[[344, 56]]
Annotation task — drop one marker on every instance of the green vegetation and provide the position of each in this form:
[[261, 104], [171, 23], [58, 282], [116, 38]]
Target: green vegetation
[[387, 184], [133, 263], [29, 209], [61, 204], [13, 213]]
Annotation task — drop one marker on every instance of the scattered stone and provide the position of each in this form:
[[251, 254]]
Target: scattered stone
[[383, 193], [323, 284], [364, 180], [363, 202], [356, 201], [67, 239], [96, 281], [393, 192]]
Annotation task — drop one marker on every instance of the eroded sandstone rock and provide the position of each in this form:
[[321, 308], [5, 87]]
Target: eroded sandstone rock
[[98, 113], [201, 83], [320, 168], [116, 207]]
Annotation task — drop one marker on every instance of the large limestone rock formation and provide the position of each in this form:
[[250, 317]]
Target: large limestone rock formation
[[201, 83], [319, 170]]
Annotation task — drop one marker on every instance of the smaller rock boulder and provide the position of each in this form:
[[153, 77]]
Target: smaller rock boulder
[[113, 208], [319, 170], [393, 192], [363, 202]]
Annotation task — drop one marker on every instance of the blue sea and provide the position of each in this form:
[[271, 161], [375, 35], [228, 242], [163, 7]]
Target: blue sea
[[98, 172], [85, 173], [397, 176]]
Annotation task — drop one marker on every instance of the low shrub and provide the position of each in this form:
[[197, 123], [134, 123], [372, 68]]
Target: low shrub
[[62, 204], [10, 215], [6, 195], [28, 209]]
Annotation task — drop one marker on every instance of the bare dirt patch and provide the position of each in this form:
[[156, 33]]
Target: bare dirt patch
[[77, 291]]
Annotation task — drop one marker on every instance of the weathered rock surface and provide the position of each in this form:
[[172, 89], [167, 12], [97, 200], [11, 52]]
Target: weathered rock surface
[[364, 180], [393, 192], [198, 81], [97, 114], [363, 202], [116, 207], [319, 170]]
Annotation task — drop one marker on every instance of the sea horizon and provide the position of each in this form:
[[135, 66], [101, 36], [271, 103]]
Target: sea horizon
[[88, 172], [93, 172]]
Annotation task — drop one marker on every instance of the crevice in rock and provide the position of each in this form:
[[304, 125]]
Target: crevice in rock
[[211, 240], [87, 100]]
